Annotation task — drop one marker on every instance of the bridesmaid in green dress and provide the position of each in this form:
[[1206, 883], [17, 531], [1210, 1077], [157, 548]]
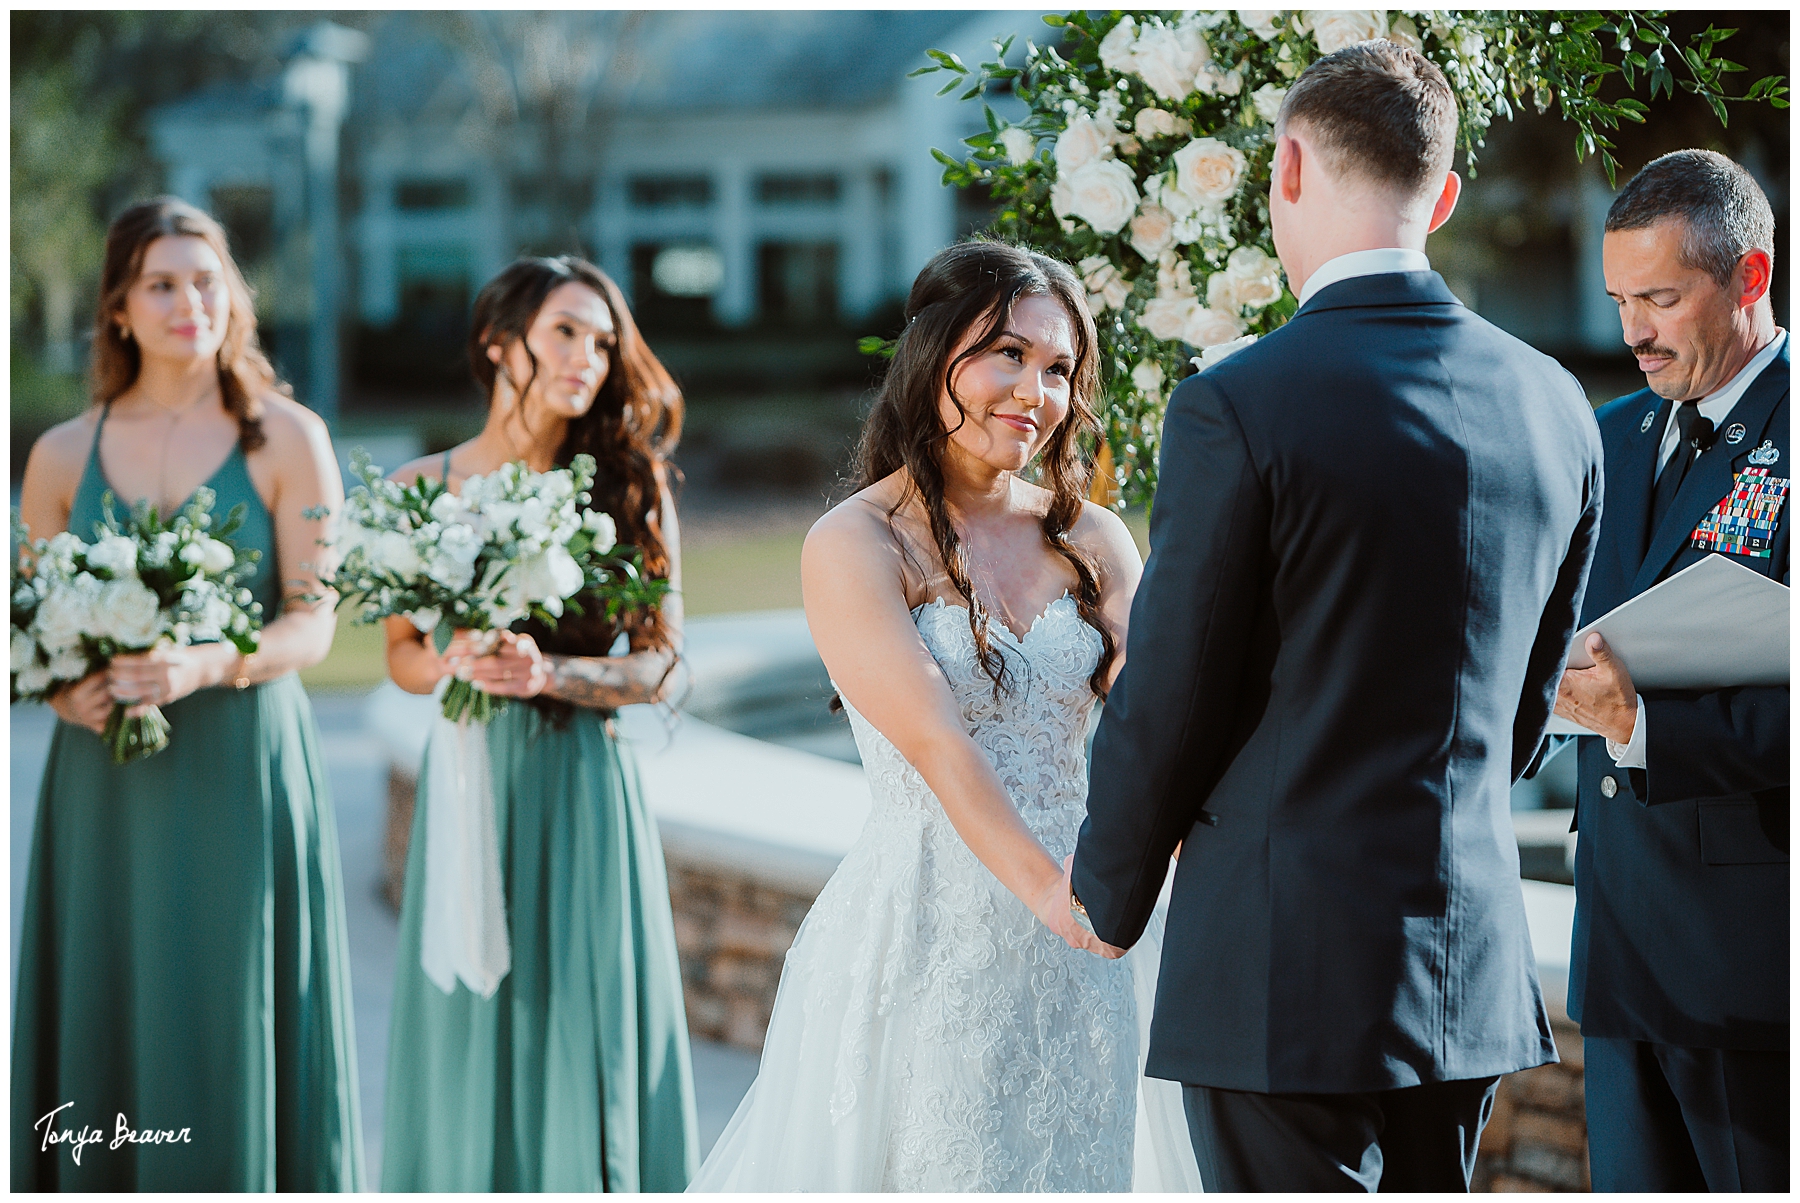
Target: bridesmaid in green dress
[[182, 967], [574, 1075]]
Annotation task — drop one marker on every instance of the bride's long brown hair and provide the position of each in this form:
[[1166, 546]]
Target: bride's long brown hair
[[973, 287]]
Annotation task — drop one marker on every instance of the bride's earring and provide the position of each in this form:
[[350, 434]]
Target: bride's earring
[[125, 333]]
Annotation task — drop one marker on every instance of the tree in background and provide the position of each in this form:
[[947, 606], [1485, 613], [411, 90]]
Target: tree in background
[[1145, 158]]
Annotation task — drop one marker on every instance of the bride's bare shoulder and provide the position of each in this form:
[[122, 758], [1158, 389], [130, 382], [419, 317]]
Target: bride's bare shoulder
[[866, 516]]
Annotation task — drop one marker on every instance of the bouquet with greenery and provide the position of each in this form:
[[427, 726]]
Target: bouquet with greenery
[[1144, 159], [139, 585], [513, 544]]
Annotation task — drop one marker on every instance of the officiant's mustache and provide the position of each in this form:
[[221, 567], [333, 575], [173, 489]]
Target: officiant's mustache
[[1647, 349]]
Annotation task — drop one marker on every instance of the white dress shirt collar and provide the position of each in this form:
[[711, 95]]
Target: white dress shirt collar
[[1717, 405], [1363, 263]]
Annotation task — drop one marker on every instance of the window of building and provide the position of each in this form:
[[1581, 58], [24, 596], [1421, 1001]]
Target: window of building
[[798, 282], [427, 196], [672, 286], [669, 191], [797, 189], [247, 212]]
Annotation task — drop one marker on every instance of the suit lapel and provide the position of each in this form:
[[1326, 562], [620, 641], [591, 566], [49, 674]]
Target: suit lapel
[[1710, 477]]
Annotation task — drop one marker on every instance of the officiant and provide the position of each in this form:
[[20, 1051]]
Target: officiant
[[1679, 972]]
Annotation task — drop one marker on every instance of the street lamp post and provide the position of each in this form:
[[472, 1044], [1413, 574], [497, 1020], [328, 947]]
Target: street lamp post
[[317, 81]]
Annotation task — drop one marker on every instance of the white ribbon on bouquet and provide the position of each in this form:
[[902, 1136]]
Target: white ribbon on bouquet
[[464, 931]]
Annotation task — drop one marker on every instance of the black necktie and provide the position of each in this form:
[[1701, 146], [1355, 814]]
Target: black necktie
[[1696, 436]]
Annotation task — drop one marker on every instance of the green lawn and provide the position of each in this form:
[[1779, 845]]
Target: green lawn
[[750, 574]]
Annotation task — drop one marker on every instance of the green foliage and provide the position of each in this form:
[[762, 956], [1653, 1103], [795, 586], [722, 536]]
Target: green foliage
[[1156, 304]]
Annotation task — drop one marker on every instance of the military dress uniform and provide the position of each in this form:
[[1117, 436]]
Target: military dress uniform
[[1679, 971]]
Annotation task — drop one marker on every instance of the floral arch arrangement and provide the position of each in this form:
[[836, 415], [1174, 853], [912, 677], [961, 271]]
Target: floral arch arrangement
[[1144, 160]]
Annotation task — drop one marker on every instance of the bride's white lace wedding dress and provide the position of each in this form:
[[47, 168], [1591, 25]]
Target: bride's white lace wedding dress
[[929, 1033]]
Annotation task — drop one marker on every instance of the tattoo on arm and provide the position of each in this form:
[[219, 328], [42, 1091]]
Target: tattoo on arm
[[608, 682]]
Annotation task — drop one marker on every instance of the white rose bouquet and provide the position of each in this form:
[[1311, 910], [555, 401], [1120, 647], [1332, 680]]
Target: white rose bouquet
[[1144, 159], [513, 544], [140, 584]]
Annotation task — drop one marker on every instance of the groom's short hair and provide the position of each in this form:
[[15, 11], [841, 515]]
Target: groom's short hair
[[1380, 110]]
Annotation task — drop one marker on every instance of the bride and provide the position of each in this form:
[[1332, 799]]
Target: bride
[[943, 1023]]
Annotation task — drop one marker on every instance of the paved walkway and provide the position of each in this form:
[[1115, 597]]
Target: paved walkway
[[358, 767]]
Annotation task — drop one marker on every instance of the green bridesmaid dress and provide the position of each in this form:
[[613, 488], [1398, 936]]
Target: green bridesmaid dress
[[183, 966], [575, 1074]]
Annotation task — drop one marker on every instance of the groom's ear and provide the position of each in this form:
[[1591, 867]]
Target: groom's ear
[[1285, 178], [1446, 201]]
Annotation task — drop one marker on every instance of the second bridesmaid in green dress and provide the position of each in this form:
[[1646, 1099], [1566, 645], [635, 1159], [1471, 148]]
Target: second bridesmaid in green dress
[[574, 1075], [183, 964]]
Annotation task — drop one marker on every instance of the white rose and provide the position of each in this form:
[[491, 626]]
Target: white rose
[[1148, 376], [1267, 100], [216, 556], [1107, 289], [1469, 43], [1222, 293], [1260, 21], [1218, 351], [1116, 47], [1018, 144], [32, 680], [1167, 318], [129, 613], [545, 578], [1210, 81], [1062, 196], [70, 664], [1195, 225], [1257, 278], [1160, 190], [449, 571], [1208, 171], [115, 554], [1160, 123], [1152, 231], [1104, 194], [24, 649], [1335, 29], [1207, 327], [1405, 33], [425, 621], [67, 613], [1084, 141], [393, 552], [1168, 59]]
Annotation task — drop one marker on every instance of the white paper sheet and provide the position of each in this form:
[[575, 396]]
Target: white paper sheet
[[1713, 625]]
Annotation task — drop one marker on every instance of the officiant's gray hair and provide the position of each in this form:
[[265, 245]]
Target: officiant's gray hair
[[1725, 212], [1380, 110]]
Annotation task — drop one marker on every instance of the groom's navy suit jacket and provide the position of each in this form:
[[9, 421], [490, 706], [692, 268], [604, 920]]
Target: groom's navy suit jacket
[[1681, 877], [1367, 553]]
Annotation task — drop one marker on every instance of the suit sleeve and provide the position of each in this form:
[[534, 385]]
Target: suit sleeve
[[1164, 738], [1556, 627], [1714, 744]]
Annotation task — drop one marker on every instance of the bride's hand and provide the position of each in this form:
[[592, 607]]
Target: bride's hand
[[1053, 910]]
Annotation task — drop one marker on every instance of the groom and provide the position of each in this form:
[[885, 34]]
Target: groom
[[1367, 553]]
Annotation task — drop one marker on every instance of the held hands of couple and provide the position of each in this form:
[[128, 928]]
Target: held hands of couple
[[1601, 698], [1053, 909], [500, 662]]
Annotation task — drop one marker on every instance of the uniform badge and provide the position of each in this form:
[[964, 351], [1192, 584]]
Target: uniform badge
[[1765, 455], [1648, 418], [1744, 521], [1734, 434]]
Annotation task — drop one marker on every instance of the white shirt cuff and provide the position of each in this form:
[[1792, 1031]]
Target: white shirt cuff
[[1631, 755]]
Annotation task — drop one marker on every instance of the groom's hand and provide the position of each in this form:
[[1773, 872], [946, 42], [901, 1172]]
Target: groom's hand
[[1602, 698]]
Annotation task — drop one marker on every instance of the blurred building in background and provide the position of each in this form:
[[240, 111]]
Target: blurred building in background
[[729, 170]]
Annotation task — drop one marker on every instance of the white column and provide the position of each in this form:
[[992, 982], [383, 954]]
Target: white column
[[735, 303], [859, 244]]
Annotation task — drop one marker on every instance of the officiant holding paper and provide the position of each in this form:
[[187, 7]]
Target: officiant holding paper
[[1679, 972]]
